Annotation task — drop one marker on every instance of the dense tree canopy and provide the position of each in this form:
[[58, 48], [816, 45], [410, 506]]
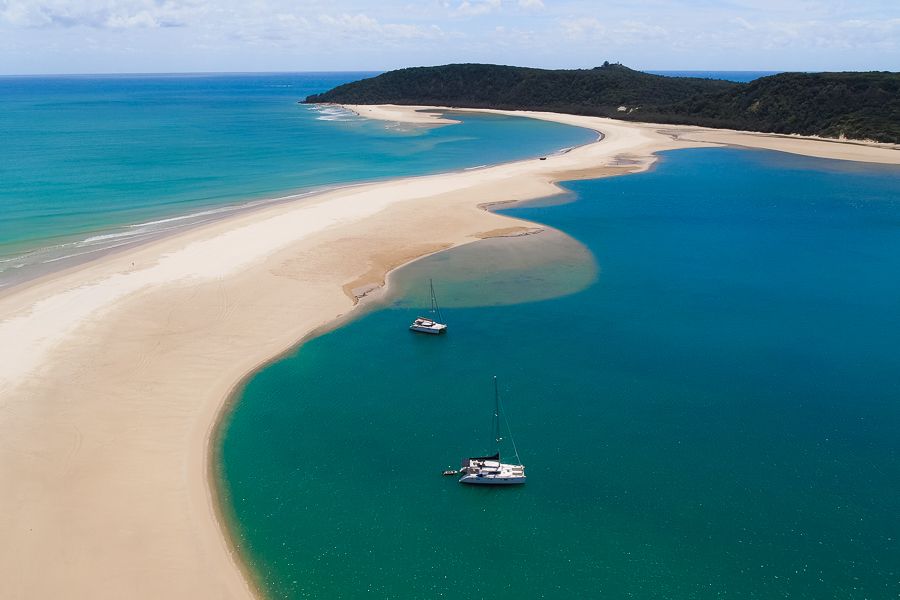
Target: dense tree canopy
[[851, 105]]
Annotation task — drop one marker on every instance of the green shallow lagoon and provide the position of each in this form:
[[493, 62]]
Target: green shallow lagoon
[[707, 404]]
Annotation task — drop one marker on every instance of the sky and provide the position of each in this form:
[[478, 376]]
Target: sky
[[169, 36]]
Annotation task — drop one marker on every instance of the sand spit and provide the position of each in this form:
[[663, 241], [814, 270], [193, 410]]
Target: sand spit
[[113, 374], [414, 115], [853, 150]]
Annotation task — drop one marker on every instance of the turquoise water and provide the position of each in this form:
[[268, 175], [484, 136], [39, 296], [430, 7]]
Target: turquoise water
[[707, 409], [93, 162]]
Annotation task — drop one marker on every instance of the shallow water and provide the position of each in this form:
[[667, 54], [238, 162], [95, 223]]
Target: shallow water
[[706, 406], [89, 163]]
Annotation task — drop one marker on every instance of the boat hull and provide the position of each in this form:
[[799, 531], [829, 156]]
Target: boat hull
[[489, 480], [434, 329], [488, 470]]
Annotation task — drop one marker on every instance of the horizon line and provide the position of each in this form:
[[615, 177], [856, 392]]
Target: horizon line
[[328, 71]]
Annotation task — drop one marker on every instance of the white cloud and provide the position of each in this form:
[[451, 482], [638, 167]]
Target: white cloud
[[639, 31], [579, 28], [516, 38], [362, 25], [742, 23], [283, 29], [811, 35], [43, 35], [591, 31], [112, 14], [484, 7], [477, 7], [345, 22]]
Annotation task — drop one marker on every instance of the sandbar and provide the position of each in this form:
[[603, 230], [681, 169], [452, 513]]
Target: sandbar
[[113, 374]]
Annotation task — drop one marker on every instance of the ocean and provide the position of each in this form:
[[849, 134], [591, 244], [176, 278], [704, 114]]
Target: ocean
[[91, 163], [703, 388], [737, 76]]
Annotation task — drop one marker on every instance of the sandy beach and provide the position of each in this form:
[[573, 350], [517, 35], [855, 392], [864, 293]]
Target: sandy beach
[[113, 374]]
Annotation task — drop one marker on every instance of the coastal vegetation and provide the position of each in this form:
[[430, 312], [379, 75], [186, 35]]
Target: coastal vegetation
[[854, 105]]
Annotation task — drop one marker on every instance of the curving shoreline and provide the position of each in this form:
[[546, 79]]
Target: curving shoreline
[[122, 367]]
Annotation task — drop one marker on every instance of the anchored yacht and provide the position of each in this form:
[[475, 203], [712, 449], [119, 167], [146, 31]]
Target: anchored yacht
[[491, 470], [430, 324]]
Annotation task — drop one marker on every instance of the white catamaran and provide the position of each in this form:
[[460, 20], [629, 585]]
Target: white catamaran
[[491, 470], [433, 324]]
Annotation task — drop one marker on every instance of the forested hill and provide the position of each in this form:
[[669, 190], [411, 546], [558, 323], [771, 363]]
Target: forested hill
[[851, 105]]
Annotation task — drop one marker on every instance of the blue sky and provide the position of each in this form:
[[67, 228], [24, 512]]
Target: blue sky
[[109, 36]]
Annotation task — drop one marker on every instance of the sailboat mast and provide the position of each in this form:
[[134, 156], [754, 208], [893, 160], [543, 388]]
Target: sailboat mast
[[497, 416], [435, 309], [433, 299]]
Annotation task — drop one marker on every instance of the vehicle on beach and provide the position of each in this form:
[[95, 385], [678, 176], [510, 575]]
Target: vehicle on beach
[[491, 470], [430, 324]]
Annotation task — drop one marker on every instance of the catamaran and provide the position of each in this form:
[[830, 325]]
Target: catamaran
[[491, 470], [433, 324]]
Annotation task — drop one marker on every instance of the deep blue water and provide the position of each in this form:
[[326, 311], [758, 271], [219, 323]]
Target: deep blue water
[[711, 413], [88, 162], [739, 76]]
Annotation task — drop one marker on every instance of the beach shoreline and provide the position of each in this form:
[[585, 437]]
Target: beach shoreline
[[812, 146], [135, 237], [140, 353], [190, 220]]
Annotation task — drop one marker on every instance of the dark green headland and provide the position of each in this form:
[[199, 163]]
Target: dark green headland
[[853, 105]]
